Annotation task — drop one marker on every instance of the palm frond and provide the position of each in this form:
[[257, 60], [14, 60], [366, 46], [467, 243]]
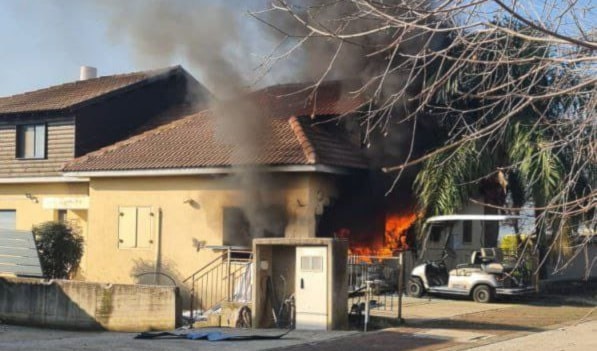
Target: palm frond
[[443, 184]]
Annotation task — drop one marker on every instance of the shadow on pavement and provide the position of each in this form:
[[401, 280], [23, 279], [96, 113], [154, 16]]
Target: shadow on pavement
[[378, 341]]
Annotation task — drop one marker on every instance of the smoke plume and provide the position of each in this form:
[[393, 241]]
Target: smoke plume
[[378, 61], [213, 39], [232, 52]]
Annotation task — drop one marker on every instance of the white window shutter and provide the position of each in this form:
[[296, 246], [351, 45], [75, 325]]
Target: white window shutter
[[144, 225], [127, 227], [40, 141]]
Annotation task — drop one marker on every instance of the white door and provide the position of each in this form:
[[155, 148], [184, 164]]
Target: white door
[[311, 288], [8, 219]]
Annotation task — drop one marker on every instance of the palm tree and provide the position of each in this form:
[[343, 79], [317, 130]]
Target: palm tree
[[495, 128]]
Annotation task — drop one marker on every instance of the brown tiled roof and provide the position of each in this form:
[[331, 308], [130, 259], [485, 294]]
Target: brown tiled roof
[[194, 141], [331, 98], [74, 94]]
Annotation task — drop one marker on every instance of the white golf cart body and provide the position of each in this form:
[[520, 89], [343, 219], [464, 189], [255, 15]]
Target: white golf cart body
[[470, 266]]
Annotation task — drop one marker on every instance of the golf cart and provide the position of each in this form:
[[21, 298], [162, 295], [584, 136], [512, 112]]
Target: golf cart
[[456, 261]]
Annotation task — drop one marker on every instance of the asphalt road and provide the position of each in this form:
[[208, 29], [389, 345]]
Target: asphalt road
[[578, 337], [16, 338], [431, 324]]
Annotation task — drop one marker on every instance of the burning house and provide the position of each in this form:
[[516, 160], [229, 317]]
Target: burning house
[[277, 162], [283, 161], [264, 149], [198, 176], [166, 193]]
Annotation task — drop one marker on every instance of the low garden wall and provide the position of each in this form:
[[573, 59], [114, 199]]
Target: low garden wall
[[84, 305]]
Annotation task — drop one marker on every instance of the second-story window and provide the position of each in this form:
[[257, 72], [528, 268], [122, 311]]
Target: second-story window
[[31, 141]]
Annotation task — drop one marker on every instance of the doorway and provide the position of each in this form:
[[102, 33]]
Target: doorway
[[311, 288]]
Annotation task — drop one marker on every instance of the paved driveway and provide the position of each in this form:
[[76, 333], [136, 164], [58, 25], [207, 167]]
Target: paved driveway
[[443, 324], [15, 338], [431, 324]]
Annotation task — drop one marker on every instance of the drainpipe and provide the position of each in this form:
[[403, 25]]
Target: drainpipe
[[158, 243], [229, 256]]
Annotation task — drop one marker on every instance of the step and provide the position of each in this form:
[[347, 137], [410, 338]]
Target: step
[[213, 320], [226, 317]]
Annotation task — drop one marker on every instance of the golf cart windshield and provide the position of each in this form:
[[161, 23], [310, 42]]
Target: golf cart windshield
[[456, 236]]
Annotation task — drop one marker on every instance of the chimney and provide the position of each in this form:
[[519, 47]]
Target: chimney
[[87, 72]]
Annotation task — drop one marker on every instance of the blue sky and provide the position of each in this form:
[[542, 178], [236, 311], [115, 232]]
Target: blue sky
[[44, 43]]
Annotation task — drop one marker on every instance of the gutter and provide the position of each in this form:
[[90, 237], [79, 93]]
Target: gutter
[[57, 179], [206, 171]]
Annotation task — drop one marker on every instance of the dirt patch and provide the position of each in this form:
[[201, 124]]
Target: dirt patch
[[505, 323], [520, 318], [463, 331]]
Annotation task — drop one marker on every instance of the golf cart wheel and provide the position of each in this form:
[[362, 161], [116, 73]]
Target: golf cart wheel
[[483, 294], [415, 287]]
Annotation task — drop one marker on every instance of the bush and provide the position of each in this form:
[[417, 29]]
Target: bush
[[60, 249]]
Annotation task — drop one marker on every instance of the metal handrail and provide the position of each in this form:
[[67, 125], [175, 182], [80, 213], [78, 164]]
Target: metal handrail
[[218, 258], [219, 275], [221, 264], [209, 271], [245, 261]]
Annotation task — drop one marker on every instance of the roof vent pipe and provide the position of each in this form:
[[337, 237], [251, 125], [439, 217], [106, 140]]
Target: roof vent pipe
[[87, 72]]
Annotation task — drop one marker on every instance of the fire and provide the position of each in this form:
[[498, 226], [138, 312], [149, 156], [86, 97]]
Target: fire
[[395, 234], [394, 238]]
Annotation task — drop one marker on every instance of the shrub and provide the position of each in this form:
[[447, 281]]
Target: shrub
[[60, 249]]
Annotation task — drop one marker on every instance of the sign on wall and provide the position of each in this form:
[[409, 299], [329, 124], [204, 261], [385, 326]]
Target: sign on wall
[[66, 203]]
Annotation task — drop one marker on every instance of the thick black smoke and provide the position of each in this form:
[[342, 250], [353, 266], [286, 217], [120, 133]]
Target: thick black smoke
[[380, 60], [232, 51]]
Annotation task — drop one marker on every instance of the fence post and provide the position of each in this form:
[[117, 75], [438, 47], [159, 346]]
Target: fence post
[[400, 286], [367, 302], [229, 278], [192, 298]]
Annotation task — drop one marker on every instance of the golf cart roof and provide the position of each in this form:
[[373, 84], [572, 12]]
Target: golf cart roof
[[471, 217]]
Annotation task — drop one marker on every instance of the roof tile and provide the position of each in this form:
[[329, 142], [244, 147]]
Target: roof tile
[[194, 142], [71, 94]]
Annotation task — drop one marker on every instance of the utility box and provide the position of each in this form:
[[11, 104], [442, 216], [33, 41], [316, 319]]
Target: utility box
[[309, 271]]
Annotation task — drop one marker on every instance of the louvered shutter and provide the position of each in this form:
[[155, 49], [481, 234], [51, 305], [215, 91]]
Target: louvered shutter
[[144, 225], [127, 227]]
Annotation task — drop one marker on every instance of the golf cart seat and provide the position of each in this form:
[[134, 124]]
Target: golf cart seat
[[497, 268], [476, 261], [492, 259]]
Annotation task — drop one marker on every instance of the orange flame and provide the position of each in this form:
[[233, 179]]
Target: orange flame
[[394, 238]]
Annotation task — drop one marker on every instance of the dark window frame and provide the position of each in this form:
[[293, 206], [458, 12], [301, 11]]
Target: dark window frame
[[20, 149]]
